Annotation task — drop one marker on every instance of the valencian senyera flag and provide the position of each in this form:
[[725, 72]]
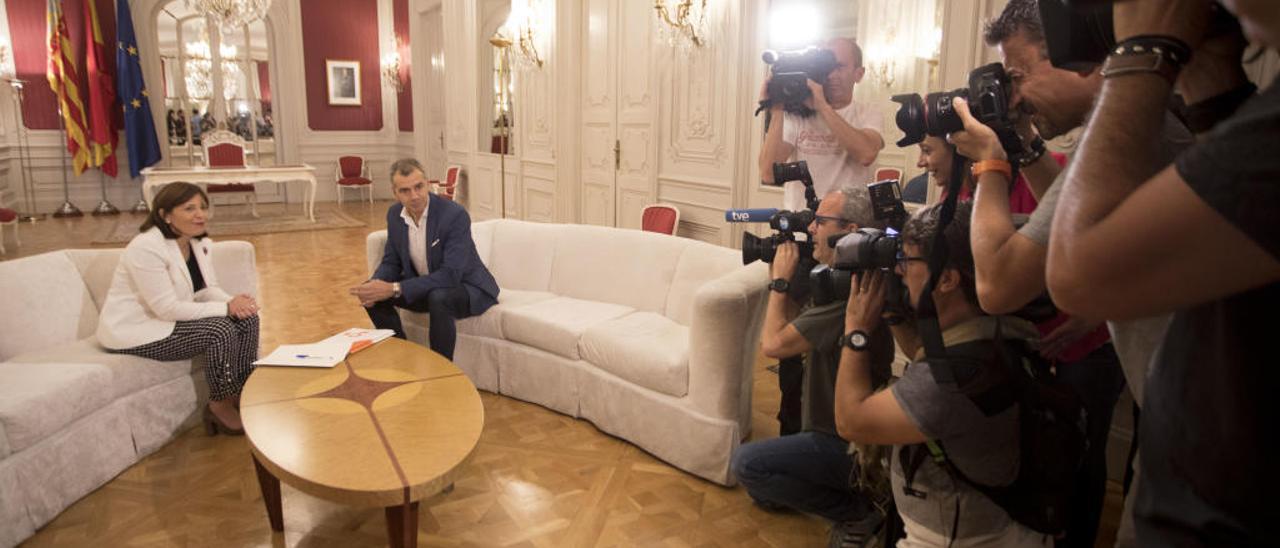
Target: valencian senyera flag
[[139, 126], [63, 80], [103, 129]]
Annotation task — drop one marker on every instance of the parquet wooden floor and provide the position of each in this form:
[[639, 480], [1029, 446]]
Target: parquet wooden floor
[[537, 478]]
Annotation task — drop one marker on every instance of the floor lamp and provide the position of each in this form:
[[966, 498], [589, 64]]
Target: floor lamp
[[24, 157], [504, 122]]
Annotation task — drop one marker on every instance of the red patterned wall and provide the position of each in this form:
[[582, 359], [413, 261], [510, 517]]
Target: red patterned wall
[[342, 30], [27, 25], [404, 100], [264, 83]]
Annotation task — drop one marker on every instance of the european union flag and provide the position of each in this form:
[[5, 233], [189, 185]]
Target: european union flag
[[139, 127]]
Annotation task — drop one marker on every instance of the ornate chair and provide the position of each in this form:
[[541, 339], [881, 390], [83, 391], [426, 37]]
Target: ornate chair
[[353, 172], [8, 217], [449, 188], [662, 218], [223, 148], [886, 173]]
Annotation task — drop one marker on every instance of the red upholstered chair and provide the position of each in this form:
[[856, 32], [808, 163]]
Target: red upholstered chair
[[8, 217], [449, 188], [886, 173], [224, 149], [353, 172], [663, 218]]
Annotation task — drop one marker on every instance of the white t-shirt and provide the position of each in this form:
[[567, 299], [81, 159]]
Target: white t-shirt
[[829, 162]]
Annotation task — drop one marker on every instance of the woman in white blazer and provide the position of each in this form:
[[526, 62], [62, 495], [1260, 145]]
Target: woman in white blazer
[[165, 304]]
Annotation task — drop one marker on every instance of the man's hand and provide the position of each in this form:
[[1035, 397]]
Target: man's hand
[[373, 291], [1214, 68], [1056, 342], [1185, 20], [818, 101], [866, 301], [977, 141], [784, 261], [242, 307]]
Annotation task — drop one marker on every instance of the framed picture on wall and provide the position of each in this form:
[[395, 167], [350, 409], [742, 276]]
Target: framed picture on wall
[[344, 81]]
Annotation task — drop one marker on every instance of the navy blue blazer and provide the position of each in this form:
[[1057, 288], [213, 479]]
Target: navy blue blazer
[[451, 256]]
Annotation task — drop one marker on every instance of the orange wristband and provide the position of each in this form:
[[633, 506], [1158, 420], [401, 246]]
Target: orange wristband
[[998, 166]]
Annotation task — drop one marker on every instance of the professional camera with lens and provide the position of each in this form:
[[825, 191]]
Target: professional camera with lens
[[988, 96], [790, 71], [862, 250], [886, 203], [1079, 33], [787, 224]]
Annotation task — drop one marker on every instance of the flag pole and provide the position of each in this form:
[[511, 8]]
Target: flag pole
[[67, 209], [24, 157], [104, 207]]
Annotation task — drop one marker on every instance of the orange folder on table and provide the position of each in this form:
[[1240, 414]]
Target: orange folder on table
[[361, 338]]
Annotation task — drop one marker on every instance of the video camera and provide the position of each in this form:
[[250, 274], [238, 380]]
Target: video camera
[[790, 71], [988, 96], [787, 223], [1080, 34], [862, 250]]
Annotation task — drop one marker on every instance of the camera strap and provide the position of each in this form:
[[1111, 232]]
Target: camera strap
[[927, 311]]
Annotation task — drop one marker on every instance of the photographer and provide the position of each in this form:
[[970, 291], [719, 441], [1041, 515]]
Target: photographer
[[1011, 263], [1199, 239], [810, 471], [840, 143], [937, 508]]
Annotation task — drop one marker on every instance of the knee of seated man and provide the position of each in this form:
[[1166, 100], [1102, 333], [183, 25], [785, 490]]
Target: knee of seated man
[[439, 299]]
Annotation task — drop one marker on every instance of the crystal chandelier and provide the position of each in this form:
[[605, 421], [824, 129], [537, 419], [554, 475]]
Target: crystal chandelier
[[199, 70], [231, 14]]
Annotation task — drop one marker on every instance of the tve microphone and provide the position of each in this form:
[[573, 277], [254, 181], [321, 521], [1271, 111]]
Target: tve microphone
[[760, 215]]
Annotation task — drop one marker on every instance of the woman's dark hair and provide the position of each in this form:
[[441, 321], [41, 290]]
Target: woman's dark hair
[[922, 227], [170, 197]]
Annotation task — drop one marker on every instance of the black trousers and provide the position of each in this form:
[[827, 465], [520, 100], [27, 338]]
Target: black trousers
[[445, 305], [1098, 380], [791, 384]]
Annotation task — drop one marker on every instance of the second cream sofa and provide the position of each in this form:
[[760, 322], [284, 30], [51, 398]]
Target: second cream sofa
[[650, 337]]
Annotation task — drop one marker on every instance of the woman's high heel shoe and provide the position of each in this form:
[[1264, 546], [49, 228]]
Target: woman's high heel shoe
[[214, 426]]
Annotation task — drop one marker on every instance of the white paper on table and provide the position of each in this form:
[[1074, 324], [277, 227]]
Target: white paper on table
[[305, 355]]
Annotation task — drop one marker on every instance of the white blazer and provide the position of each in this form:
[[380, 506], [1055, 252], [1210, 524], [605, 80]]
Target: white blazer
[[151, 290]]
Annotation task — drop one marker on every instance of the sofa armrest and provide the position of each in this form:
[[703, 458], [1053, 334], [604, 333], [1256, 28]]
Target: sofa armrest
[[723, 337], [237, 267], [374, 244]]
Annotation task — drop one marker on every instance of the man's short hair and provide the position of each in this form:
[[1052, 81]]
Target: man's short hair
[[857, 206], [922, 227], [853, 45], [405, 167], [1019, 16]]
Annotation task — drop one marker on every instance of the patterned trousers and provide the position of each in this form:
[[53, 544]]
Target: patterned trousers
[[230, 347]]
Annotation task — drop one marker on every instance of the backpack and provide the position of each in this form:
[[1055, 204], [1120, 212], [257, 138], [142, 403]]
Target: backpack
[[1051, 428]]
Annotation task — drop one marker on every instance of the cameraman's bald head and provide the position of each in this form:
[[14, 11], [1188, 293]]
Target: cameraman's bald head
[[849, 47]]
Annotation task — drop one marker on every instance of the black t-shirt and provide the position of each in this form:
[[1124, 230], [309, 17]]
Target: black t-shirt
[[1210, 474]]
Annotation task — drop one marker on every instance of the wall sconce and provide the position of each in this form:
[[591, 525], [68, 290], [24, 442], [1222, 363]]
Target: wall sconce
[[683, 23], [525, 25], [391, 70]]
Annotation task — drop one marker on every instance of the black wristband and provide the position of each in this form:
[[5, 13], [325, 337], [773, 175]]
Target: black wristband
[[1036, 150], [1172, 49], [1202, 116]]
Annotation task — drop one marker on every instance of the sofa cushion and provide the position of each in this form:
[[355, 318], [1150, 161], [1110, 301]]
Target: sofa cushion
[[521, 254], [627, 267], [39, 399], [43, 303], [489, 324], [643, 348], [556, 324], [700, 263], [129, 374]]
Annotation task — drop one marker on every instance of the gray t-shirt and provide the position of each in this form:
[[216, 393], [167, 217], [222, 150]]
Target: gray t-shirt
[[1135, 341], [985, 449], [823, 327]]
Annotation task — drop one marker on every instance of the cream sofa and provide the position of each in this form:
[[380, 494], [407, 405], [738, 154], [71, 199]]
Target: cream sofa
[[650, 337], [72, 416]]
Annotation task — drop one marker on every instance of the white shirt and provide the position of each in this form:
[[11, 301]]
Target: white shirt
[[417, 239], [829, 162]]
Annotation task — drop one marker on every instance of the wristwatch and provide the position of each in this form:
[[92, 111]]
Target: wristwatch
[[781, 285], [857, 340], [395, 288]]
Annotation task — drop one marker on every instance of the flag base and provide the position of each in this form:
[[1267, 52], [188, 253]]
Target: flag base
[[105, 208], [31, 217], [67, 209], [141, 207]]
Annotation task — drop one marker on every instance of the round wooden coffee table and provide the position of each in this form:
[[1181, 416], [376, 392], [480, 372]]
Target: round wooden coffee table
[[388, 427]]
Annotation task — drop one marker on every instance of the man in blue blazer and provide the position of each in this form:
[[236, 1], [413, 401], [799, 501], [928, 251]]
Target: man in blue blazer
[[430, 263]]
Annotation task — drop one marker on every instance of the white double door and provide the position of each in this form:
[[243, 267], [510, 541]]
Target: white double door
[[619, 112]]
